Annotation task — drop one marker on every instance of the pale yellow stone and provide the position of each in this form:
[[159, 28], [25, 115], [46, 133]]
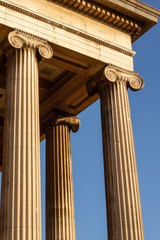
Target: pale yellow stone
[[64, 38], [124, 217], [93, 45], [20, 216], [60, 219]]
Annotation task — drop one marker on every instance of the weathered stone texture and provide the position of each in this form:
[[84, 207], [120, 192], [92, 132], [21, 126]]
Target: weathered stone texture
[[124, 217], [60, 219]]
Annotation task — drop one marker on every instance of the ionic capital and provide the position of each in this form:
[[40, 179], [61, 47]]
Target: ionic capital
[[112, 74], [19, 39], [57, 118], [72, 122]]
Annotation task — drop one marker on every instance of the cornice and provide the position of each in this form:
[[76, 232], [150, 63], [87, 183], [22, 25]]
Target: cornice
[[140, 6], [103, 14], [65, 27], [136, 10]]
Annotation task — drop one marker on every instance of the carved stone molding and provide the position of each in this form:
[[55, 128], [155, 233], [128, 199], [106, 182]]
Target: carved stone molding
[[67, 28], [21, 116], [19, 39], [72, 122], [103, 14], [113, 74], [57, 118]]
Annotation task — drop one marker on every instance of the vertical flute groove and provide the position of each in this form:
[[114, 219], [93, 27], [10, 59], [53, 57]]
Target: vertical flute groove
[[122, 191], [137, 195], [60, 222], [20, 214]]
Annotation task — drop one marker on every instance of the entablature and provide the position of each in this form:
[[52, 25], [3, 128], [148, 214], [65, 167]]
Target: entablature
[[133, 17], [81, 48]]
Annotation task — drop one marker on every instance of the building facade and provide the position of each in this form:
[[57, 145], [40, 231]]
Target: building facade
[[57, 58]]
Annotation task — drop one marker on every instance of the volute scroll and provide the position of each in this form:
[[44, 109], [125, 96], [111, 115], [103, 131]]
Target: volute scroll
[[132, 79], [19, 39], [73, 122], [112, 74]]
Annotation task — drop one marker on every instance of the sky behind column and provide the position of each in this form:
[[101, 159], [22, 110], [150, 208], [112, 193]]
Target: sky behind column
[[88, 176], [87, 155]]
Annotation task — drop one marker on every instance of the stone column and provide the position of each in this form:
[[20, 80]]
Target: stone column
[[124, 216], [20, 216], [60, 219]]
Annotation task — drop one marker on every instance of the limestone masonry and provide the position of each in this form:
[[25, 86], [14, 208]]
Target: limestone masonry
[[58, 57]]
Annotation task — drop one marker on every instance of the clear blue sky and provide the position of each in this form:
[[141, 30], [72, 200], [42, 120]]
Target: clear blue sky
[[87, 156]]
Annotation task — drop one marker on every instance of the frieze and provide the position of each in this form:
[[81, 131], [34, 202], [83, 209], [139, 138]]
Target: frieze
[[101, 13], [67, 28]]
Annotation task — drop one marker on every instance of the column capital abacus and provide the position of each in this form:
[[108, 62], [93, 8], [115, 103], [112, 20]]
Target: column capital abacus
[[55, 119], [73, 122], [112, 74], [19, 39]]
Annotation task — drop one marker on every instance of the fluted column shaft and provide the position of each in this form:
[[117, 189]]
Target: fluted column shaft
[[60, 219], [124, 216], [20, 216]]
